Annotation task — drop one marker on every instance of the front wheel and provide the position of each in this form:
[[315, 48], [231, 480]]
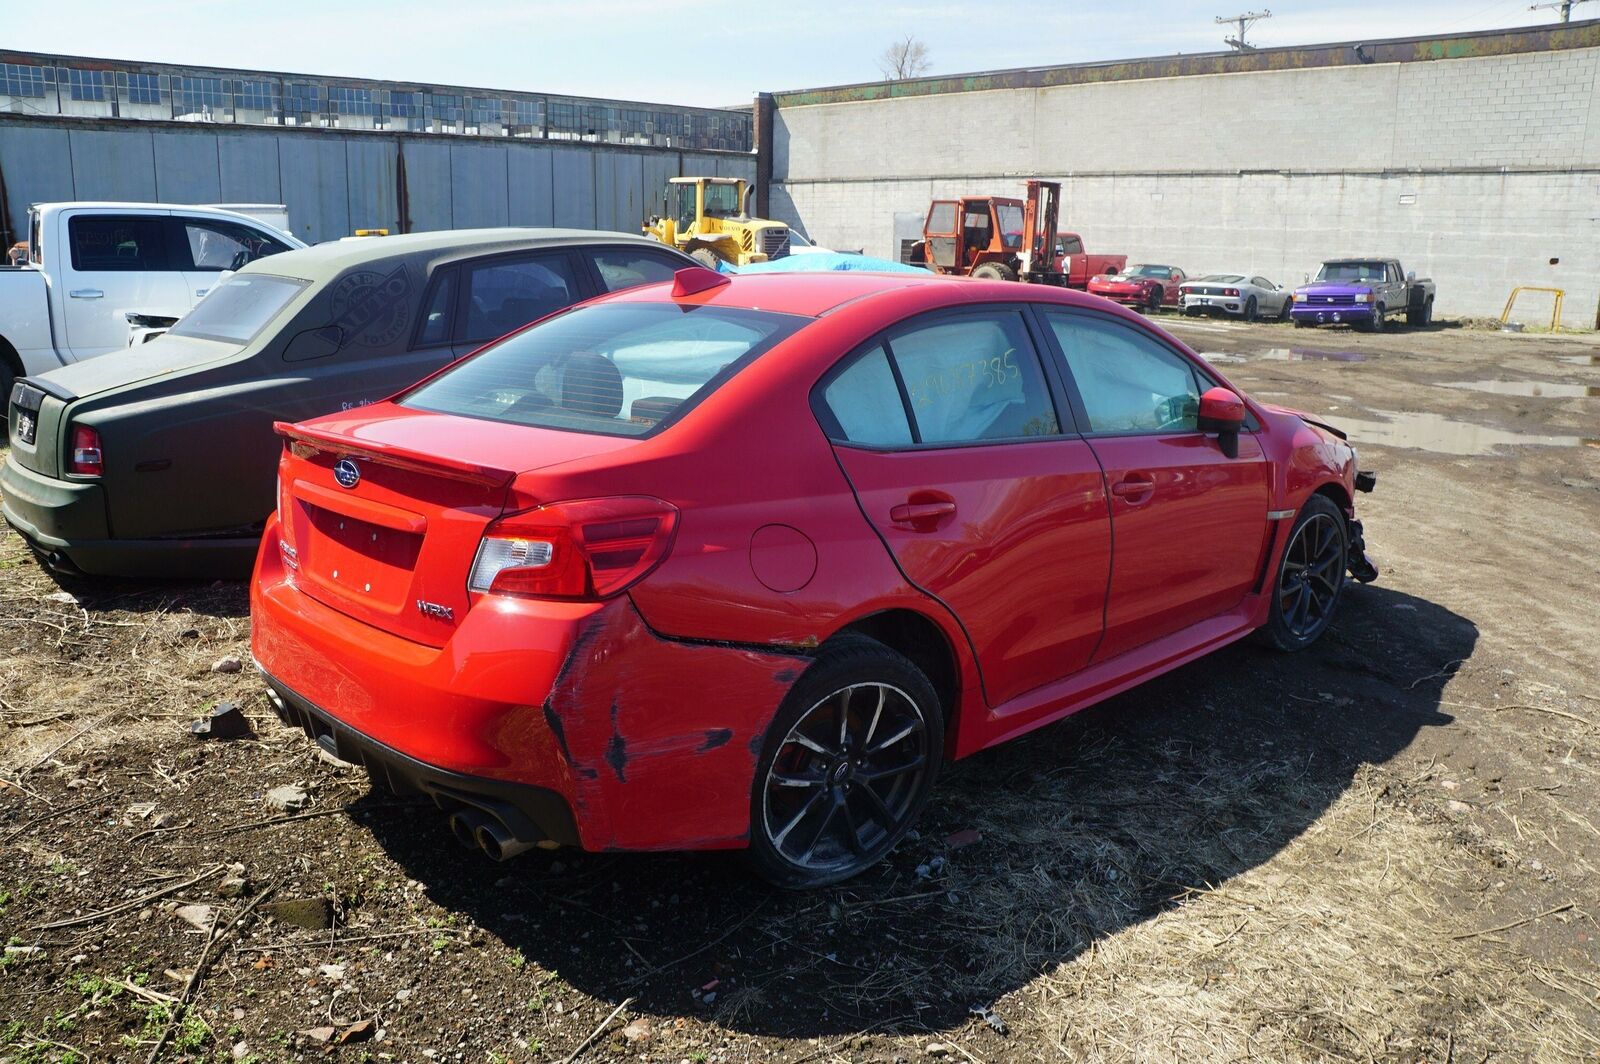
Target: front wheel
[[847, 766], [1153, 302], [1311, 576], [705, 257], [1377, 323], [995, 271]]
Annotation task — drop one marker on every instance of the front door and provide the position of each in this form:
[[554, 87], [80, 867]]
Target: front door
[[949, 433], [1188, 523]]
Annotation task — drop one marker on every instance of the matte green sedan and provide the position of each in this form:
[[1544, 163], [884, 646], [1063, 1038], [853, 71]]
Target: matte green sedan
[[161, 460]]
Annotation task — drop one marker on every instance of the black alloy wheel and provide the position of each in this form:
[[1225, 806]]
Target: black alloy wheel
[[849, 762], [1311, 577]]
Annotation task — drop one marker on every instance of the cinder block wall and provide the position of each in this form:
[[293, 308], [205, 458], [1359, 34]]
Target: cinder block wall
[[1475, 171]]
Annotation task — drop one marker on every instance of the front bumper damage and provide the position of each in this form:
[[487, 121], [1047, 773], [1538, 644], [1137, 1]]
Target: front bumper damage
[[1362, 567]]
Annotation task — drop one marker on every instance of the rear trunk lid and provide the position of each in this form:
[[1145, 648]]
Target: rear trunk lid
[[382, 512], [163, 356], [33, 425]]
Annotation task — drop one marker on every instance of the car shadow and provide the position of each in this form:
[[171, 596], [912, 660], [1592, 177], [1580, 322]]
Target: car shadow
[[1084, 828]]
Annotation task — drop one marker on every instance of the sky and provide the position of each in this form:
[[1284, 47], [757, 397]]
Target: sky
[[697, 52]]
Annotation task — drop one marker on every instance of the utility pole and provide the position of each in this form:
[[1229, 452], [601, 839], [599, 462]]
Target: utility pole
[[1244, 22], [1564, 6]]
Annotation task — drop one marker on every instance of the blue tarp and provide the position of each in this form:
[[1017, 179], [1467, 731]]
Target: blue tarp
[[822, 262]]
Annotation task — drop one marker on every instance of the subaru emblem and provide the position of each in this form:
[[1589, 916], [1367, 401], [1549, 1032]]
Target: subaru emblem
[[347, 473]]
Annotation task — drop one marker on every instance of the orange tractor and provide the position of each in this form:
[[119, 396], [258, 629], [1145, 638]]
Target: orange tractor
[[996, 237]]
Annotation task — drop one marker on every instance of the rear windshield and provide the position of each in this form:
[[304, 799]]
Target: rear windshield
[[617, 369], [238, 308]]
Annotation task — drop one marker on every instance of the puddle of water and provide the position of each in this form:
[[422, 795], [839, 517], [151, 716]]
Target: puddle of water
[[1442, 435], [1530, 389], [1580, 360], [1285, 354]]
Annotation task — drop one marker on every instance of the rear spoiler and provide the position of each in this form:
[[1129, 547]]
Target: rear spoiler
[[398, 457]]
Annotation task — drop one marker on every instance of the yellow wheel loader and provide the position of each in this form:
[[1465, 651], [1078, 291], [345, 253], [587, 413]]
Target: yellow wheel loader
[[706, 218]]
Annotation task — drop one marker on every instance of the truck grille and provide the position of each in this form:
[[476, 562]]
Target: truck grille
[[1331, 301], [775, 242]]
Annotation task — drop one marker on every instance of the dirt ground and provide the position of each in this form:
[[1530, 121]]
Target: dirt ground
[[1382, 849]]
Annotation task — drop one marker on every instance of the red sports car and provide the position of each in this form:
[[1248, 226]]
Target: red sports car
[[1143, 285], [739, 563]]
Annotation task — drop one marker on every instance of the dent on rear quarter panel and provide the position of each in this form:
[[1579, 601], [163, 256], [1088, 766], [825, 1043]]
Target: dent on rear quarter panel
[[661, 736]]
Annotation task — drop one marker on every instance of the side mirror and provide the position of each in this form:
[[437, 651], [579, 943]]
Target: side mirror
[[314, 343], [1222, 412], [1411, 278]]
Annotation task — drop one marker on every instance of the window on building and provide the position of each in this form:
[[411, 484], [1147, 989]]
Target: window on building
[[19, 79], [88, 85]]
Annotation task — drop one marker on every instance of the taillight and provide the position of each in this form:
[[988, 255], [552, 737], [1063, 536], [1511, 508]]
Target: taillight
[[1230, 291], [87, 460], [586, 549]]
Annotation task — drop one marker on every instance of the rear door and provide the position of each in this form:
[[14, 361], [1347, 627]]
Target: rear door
[[1189, 524], [115, 263], [949, 431]]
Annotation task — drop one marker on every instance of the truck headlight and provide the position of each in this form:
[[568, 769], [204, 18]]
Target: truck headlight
[[1299, 297], [1364, 297]]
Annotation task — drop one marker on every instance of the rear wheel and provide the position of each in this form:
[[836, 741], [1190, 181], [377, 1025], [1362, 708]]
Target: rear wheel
[[7, 378], [1421, 314], [1251, 309], [1311, 576], [995, 271], [847, 765], [705, 257]]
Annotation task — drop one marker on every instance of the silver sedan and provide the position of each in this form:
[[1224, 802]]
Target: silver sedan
[[1235, 294]]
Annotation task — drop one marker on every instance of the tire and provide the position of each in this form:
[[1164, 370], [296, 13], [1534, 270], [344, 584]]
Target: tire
[[815, 817], [1302, 324], [1152, 303], [1305, 596], [1284, 311], [1420, 315], [8, 377], [995, 271], [1251, 309], [1378, 321], [705, 257]]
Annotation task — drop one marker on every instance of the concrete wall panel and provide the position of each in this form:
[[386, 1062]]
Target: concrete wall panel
[[478, 186], [311, 171], [186, 168], [429, 186], [36, 163], [370, 166], [112, 165], [248, 168], [530, 191], [574, 188]]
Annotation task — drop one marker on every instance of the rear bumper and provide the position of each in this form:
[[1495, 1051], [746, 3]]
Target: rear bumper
[[65, 523], [581, 701], [1227, 304]]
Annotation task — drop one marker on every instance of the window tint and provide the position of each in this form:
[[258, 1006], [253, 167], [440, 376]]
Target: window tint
[[942, 219], [506, 294], [109, 242], [1073, 246], [226, 245], [865, 401], [722, 201], [435, 328], [616, 368], [239, 308], [626, 267], [973, 377], [1128, 383]]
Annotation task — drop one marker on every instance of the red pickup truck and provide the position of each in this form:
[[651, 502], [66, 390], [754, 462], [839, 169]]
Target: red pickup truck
[[1078, 266]]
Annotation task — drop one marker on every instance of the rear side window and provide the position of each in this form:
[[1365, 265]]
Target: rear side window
[[436, 317], [627, 267], [117, 242], [239, 308], [618, 369], [506, 294], [970, 378], [1128, 383]]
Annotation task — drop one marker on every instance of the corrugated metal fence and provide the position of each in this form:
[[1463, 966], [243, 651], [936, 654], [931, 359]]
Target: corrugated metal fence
[[337, 182]]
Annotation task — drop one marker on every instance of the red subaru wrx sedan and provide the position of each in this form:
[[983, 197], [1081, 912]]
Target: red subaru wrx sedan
[[738, 563]]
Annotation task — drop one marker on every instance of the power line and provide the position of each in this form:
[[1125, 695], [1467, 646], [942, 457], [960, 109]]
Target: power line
[[1564, 6], [1244, 22]]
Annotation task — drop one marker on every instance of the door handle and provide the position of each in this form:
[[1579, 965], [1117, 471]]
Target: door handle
[[1134, 488], [86, 293], [921, 516]]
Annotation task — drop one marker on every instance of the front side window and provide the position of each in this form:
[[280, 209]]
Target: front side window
[[627, 267], [227, 245], [112, 242], [1128, 383], [973, 377], [1072, 246], [1010, 217], [618, 368], [942, 218], [239, 308], [506, 294]]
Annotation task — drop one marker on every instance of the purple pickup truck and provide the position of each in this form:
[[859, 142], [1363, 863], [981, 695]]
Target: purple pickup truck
[[1364, 293]]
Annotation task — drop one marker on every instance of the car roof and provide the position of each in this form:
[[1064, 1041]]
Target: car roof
[[815, 294], [323, 260]]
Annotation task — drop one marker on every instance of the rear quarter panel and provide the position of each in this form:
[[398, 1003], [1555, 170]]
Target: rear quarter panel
[[25, 317]]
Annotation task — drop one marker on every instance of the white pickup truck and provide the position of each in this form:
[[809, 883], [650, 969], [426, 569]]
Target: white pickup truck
[[91, 264]]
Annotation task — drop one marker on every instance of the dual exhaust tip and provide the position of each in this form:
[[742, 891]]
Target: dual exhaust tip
[[477, 830]]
